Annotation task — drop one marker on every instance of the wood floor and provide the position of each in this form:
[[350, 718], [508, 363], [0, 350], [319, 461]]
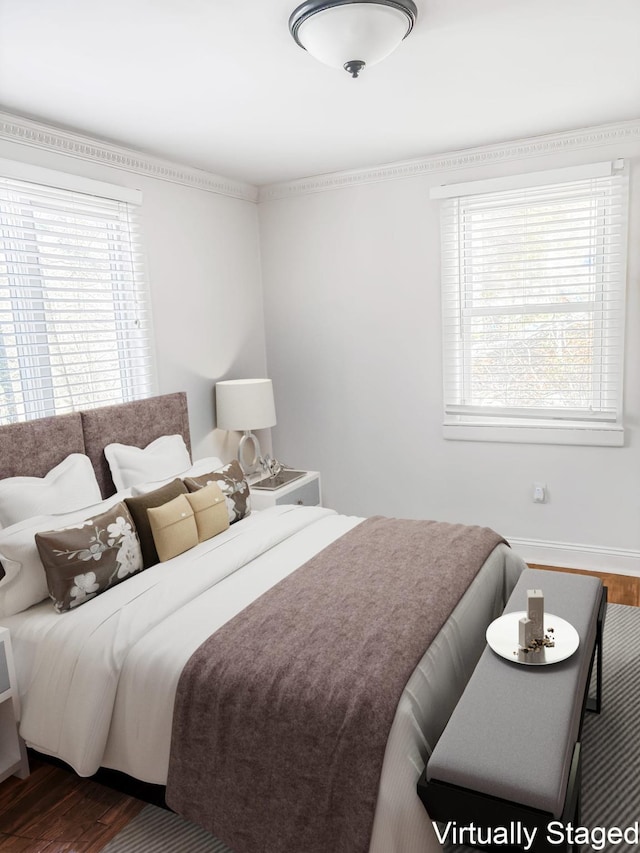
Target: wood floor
[[58, 812], [54, 810], [621, 589]]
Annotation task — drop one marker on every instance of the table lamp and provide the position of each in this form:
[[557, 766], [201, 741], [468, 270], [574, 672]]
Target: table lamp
[[245, 405]]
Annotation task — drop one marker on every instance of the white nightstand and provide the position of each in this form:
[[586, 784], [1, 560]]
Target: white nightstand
[[305, 491], [13, 755]]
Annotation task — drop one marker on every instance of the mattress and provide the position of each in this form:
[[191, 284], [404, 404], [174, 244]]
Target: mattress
[[97, 684]]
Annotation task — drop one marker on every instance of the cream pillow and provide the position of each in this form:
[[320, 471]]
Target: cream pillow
[[209, 507], [231, 479], [202, 466], [165, 458], [174, 527], [70, 485]]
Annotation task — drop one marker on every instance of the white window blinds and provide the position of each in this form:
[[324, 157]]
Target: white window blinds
[[533, 289], [75, 326]]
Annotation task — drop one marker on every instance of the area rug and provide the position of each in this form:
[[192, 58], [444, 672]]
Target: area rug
[[155, 830], [610, 771]]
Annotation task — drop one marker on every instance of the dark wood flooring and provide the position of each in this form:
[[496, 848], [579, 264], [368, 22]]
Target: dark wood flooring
[[54, 810]]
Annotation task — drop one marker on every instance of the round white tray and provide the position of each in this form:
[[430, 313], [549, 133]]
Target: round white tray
[[502, 636]]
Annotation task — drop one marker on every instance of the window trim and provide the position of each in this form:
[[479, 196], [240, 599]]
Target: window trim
[[568, 433], [527, 179], [477, 423], [67, 181]]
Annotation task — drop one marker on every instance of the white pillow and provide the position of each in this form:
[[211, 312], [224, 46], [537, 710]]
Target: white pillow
[[70, 485], [25, 582], [202, 466], [164, 458]]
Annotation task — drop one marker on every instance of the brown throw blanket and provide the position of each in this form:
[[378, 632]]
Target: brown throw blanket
[[282, 716]]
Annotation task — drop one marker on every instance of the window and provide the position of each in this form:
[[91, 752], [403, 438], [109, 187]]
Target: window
[[533, 287], [75, 327]]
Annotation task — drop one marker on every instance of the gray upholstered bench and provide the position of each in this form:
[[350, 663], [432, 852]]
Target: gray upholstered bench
[[511, 750]]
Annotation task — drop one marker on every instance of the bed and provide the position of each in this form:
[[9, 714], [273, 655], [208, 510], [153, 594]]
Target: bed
[[98, 684]]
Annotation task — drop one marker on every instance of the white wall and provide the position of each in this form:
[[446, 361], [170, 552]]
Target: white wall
[[352, 313], [203, 264]]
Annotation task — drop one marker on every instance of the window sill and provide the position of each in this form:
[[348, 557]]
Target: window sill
[[591, 436]]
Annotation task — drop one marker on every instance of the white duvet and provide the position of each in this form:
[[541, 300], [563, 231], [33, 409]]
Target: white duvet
[[97, 684]]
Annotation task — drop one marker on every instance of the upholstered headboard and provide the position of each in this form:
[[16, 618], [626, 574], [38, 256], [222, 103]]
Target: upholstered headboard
[[34, 447], [135, 423]]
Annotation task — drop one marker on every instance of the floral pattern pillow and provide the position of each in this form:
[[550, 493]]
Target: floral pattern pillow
[[233, 484], [82, 561]]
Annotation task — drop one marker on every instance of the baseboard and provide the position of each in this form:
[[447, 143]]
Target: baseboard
[[615, 560]]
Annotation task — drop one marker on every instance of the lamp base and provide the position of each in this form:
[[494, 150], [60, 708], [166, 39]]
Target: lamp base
[[248, 438]]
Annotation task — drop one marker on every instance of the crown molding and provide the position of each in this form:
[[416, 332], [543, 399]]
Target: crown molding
[[37, 135], [536, 146]]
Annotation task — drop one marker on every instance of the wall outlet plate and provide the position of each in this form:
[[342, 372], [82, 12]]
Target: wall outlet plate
[[539, 493]]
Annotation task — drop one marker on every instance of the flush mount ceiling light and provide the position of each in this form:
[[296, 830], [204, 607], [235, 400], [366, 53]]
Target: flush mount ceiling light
[[352, 34]]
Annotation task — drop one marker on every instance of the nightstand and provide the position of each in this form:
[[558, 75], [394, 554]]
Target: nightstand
[[305, 491], [13, 755]]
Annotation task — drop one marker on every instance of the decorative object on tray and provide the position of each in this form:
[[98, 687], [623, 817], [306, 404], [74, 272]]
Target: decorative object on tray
[[531, 626], [278, 479], [558, 643], [271, 466]]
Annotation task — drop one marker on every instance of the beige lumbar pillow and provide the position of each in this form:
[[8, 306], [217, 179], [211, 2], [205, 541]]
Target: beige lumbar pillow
[[234, 485], [173, 526], [210, 510]]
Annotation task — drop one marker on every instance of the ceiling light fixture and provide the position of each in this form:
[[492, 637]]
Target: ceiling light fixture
[[352, 34]]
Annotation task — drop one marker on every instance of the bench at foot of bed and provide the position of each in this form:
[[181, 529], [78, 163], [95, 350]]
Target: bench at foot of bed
[[506, 770]]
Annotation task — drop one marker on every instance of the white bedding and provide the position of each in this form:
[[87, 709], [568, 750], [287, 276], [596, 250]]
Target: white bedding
[[97, 684]]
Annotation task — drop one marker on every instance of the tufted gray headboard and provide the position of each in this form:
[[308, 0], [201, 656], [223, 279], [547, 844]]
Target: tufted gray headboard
[[33, 448]]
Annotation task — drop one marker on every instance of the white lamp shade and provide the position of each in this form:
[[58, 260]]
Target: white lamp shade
[[357, 31], [245, 404]]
